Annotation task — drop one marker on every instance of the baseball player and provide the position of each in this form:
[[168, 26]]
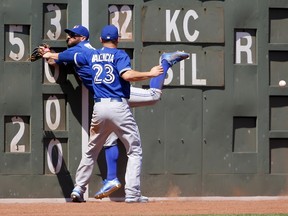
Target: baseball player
[[77, 42], [111, 71], [138, 97]]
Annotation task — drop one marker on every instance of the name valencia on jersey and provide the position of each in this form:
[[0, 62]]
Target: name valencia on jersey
[[107, 57]]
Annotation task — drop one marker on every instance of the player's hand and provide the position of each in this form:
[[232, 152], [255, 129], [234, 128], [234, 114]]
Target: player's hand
[[47, 55], [43, 50], [39, 51], [156, 71]]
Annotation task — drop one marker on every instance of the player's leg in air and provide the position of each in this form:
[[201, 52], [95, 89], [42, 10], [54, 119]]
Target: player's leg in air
[[138, 97], [144, 97]]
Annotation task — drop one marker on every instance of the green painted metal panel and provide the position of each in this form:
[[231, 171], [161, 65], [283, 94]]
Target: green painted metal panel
[[153, 137], [166, 22], [220, 128], [170, 185], [180, 118], [15, 12], [278, 25], [278, 153], [167, 147], [244, 134], [23, 186], [15, 92], [278, 109], [244, 163], [217, 137], [245, 99], [278, 60], [205, 67]]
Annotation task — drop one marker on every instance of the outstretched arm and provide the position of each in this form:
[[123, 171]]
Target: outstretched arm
[[50, 55], [132, 75]]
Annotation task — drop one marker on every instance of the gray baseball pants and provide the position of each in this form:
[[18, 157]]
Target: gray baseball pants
[[111, 117], [138, 97]]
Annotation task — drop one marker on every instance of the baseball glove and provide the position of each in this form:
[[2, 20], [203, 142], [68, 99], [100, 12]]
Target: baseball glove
[[39, 51]]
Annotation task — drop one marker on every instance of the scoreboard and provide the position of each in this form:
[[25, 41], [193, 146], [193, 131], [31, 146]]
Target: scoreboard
[[222, 116]]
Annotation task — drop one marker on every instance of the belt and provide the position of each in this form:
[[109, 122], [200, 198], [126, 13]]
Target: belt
[[108, 99]]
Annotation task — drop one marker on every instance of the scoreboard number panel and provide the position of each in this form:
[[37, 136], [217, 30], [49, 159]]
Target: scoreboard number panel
[[56, 155], [55, 21], [17, 42], [245, 46], [17, 134], [122, 16], [187, 23], [54, 112], [205, 67], [51, 73], [54, 75]]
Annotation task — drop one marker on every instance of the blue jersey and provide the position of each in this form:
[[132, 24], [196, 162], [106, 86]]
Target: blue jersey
[[83, 71], [107, 65]]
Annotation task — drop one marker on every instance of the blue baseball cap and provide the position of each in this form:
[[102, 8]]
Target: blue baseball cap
[[79, 30], [109, 32]]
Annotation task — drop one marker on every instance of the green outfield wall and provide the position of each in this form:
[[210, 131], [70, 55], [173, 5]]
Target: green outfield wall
[[220, 128]]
